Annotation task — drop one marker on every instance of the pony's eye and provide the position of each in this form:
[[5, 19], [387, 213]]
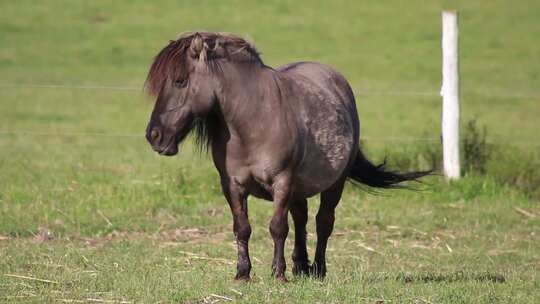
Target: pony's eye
[[180, 83]]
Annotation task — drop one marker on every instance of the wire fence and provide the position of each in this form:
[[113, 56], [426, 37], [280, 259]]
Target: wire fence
[[71, 87], [141, 136], [70, 134], [521, 95], [141, 89]]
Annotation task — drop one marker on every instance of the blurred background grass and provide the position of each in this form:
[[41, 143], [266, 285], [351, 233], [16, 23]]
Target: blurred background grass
[[74, 162]]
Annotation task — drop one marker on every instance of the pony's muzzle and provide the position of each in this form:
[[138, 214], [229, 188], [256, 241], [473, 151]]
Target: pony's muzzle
[[159, 143]]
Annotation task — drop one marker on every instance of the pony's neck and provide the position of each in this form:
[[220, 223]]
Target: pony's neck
[[250, 99]]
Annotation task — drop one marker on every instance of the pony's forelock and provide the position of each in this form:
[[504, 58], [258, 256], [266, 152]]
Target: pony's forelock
[[168, 63]]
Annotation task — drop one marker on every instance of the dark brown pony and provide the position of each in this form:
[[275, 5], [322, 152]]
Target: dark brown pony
[[282, 134]]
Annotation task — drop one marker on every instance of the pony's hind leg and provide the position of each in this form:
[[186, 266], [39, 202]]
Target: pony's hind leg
[[325, 224], [237, 199], [299, 212]]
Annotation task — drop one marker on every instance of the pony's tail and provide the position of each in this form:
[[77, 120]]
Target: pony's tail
[[365, 172]]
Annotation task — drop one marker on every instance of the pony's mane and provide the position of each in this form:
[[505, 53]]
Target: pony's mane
[[170, 62]]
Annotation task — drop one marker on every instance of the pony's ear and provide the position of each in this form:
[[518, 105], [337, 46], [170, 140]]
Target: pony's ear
[[197, 46], [217, 49]]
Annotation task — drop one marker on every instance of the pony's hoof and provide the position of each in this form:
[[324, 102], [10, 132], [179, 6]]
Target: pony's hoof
[[301, 270], [281, 279], [317, 272], [242, 278]]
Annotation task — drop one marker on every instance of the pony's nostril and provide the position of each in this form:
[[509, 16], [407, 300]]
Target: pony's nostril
[[155, 134]]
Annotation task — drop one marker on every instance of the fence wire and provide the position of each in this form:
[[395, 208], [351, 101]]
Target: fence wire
[[357, 92], [141, 136], [141, 89]]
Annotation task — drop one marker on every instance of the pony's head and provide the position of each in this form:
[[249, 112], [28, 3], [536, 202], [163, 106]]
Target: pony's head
[[185, 78]]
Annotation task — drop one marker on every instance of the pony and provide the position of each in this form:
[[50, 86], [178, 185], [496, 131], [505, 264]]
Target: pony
[[283, 135]]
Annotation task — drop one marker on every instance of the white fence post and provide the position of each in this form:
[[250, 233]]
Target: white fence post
[[450, 95]]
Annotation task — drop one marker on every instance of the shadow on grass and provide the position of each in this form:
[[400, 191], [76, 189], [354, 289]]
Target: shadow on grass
[[432, 277]]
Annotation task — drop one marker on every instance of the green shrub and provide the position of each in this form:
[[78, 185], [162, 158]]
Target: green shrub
[[475, 149], [507, 165], [519, 169]]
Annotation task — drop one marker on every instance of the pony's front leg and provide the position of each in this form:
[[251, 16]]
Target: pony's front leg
[[237, 199], [279, 227]]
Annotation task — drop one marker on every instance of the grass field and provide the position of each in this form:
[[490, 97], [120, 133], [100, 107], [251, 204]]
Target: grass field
[[88, 213]]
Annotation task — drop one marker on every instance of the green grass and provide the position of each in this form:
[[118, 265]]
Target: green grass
[[86, 205]]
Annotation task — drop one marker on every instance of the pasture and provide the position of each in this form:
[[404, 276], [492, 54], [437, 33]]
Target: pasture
[[89, 213]]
